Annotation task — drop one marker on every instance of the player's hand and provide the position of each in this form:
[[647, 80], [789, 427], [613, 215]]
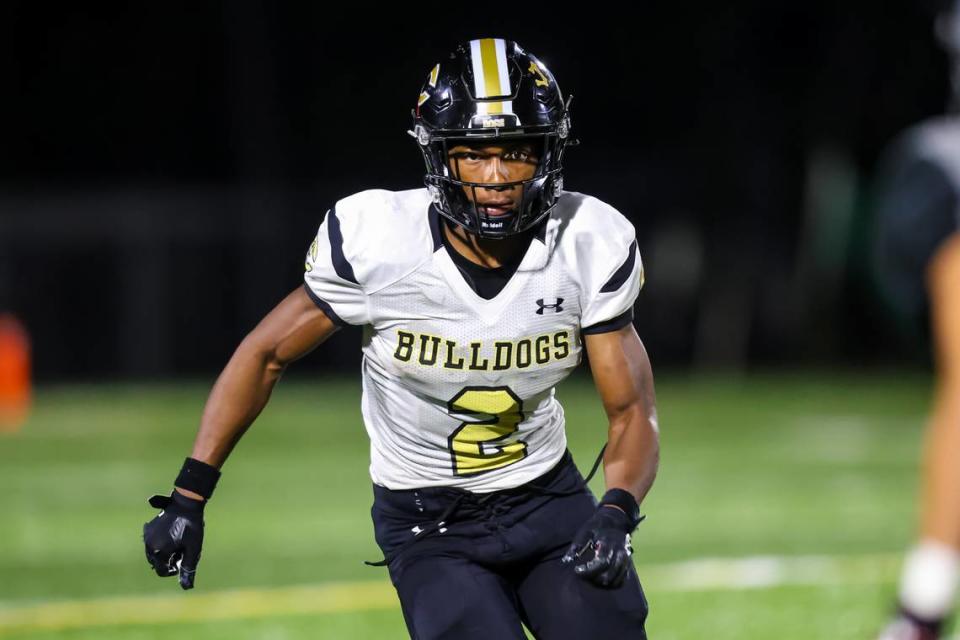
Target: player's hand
[[174, 537], [601, 550]]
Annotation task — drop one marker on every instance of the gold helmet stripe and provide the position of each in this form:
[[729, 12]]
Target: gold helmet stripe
[[491, 74]]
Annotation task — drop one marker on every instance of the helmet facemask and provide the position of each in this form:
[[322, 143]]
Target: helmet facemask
[[457, 198]]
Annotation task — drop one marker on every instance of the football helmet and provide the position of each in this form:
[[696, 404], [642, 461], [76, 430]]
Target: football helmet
[[491, 90]]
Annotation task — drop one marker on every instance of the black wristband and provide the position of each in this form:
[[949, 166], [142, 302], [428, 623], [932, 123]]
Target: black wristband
[[625, 501], [199, 477]]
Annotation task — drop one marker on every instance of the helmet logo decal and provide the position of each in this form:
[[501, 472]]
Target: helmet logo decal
[[535, 70], [493, 122], [432, 81], [491, 75]]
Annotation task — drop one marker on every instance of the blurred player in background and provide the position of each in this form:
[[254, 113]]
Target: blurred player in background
[[478, 295], [919, 256]]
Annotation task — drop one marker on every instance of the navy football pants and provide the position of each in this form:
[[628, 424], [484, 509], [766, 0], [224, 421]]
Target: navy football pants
[[495, 563]]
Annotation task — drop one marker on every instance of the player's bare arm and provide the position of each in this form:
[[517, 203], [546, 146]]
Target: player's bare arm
[[174, 538], [941, 488], [918, 262], [624, 379], [290, 331], [931, 572], [601, 550]]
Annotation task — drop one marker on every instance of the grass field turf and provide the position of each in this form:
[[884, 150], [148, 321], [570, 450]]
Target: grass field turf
[[779, 466]]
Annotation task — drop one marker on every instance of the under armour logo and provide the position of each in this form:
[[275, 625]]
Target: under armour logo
[[555, 306]]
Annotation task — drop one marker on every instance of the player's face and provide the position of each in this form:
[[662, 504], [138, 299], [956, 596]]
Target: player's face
[[494, 164]]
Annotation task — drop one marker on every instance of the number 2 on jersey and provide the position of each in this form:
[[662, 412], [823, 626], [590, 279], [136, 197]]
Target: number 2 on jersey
[[492, 415]]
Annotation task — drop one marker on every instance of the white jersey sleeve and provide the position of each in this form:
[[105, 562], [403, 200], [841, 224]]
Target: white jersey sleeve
[[330, 279], [615, 275]]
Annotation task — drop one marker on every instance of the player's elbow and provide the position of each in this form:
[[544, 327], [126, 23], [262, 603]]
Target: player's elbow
[[650, 436], [634, 415], [275, 365], [262, 353], [637, 424], [654, 454]]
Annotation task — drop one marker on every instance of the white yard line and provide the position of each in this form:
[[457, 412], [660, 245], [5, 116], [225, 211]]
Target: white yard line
[[761, 572], [703, 574]]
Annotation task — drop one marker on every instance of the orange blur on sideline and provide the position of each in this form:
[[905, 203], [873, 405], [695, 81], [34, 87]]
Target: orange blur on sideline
[[15, 392]]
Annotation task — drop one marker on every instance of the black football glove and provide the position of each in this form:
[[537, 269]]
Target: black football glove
[[174, 537], [601, 550]]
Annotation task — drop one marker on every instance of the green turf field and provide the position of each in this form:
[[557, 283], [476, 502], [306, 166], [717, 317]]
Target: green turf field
[[780, 511]]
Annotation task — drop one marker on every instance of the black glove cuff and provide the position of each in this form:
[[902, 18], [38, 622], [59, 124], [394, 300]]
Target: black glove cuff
[[199, 477], [625, 501], [186, 503]]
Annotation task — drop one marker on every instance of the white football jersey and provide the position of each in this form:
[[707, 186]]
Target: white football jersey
[[459, 390]]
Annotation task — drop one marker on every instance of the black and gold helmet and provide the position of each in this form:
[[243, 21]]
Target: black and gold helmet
[[491, 90]]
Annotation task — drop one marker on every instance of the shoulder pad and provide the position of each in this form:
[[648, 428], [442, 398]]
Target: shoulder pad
[[592, 237], [385, 234]]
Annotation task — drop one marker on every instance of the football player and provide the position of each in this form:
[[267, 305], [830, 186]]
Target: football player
[[477, 295], [919, 252]]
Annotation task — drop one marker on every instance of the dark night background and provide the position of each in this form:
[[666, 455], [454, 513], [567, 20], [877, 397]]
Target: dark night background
[[164, 166]]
